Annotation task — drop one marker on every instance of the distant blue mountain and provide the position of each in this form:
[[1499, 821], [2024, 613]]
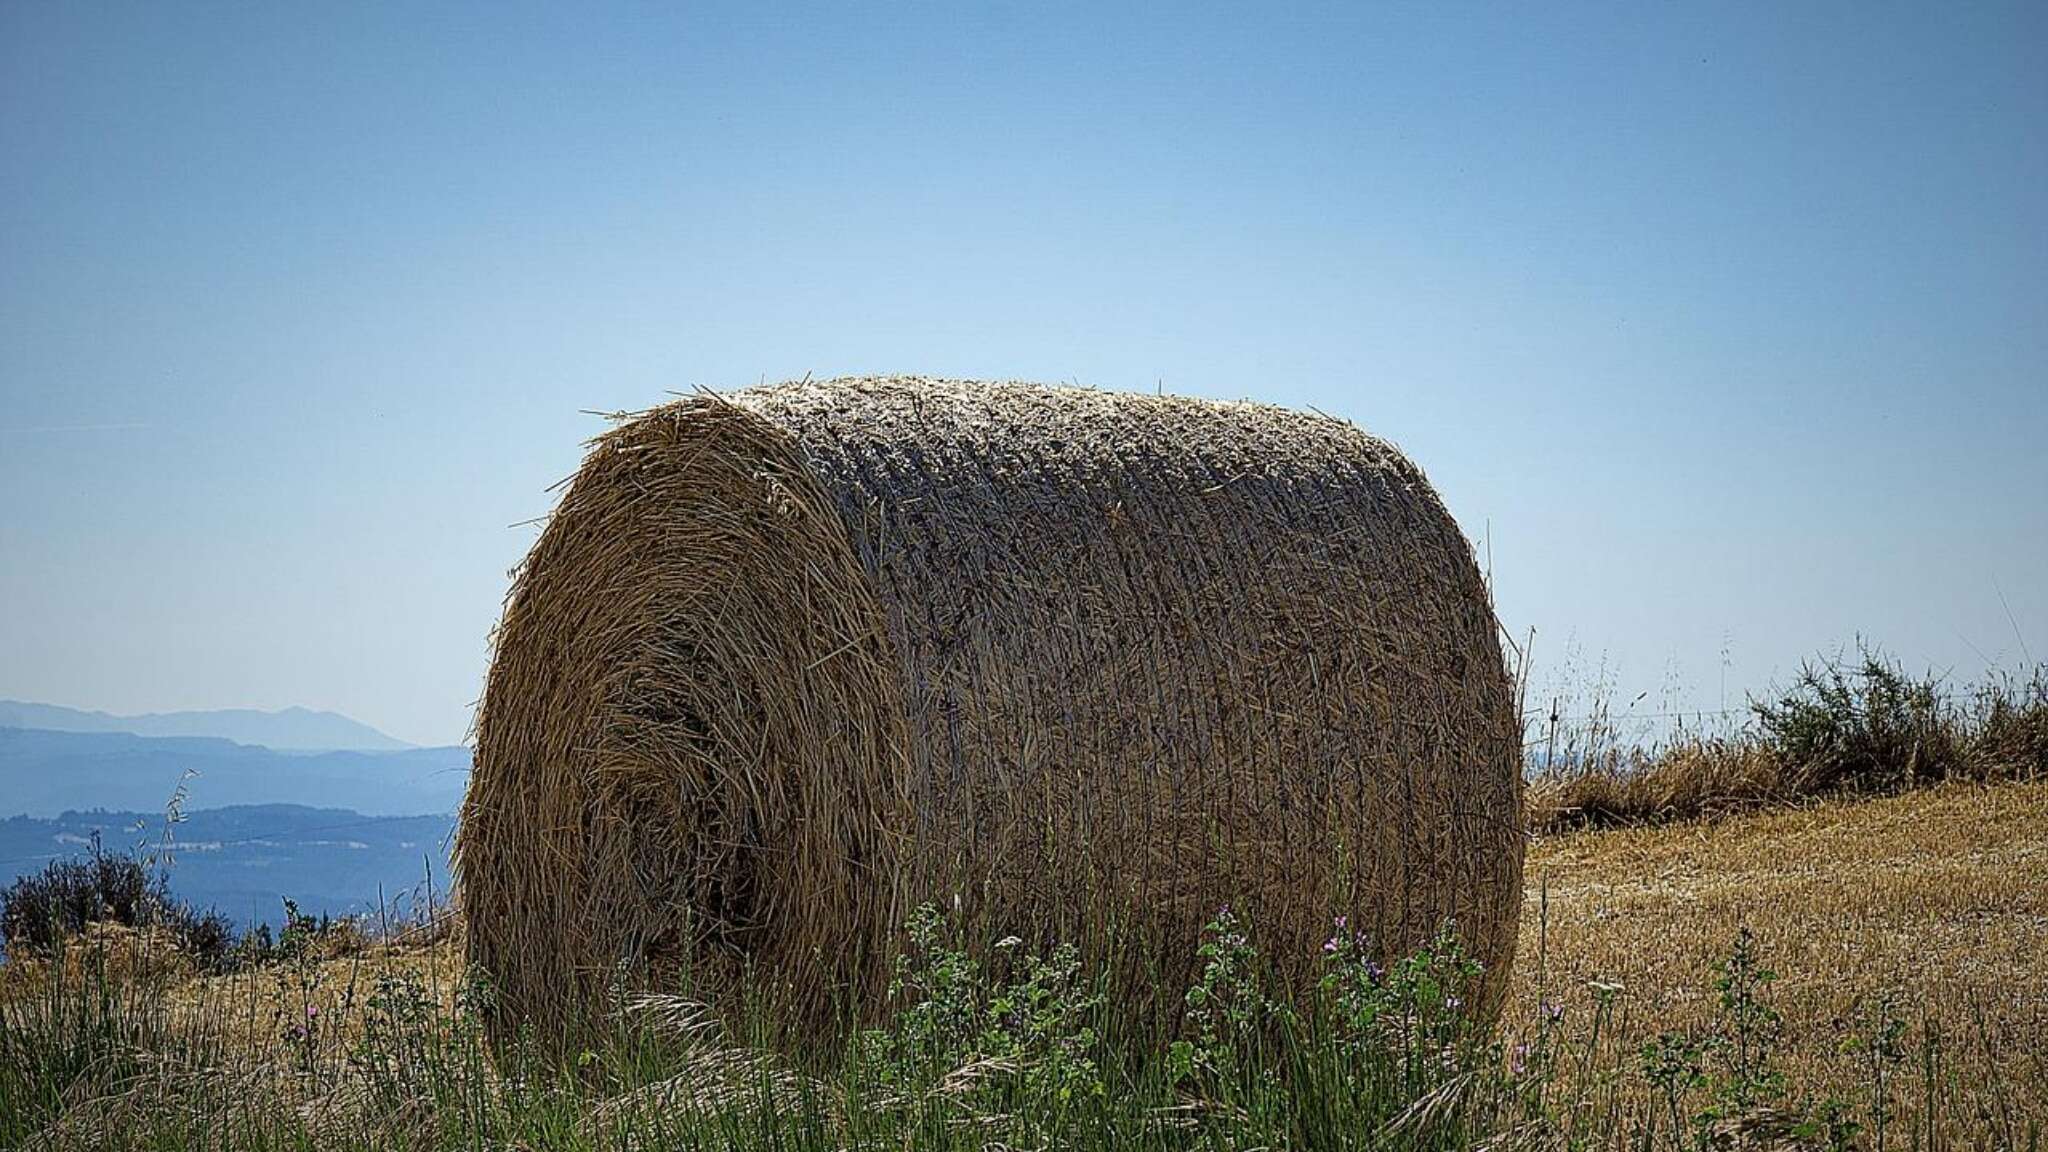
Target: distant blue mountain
[[244, 861], [44, 773], [292, 730]]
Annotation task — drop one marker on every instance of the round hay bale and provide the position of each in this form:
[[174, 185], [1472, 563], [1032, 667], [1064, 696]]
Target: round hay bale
[[787, 662]]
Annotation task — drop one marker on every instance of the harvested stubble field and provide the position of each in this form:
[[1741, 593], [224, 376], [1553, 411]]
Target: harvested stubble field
[[1931, 905], [1908, 936]]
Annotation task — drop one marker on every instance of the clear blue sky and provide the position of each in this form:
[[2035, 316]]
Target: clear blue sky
[[1725, 328]]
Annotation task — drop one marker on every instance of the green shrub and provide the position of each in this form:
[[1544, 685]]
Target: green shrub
[[2008, 721], [1864, 725], [39, 911]]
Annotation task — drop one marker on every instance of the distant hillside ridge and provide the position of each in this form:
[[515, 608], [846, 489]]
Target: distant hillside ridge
[[289, 730], [44, 773]]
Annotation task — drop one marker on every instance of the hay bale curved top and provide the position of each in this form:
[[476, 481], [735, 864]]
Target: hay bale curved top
[[788, 661]]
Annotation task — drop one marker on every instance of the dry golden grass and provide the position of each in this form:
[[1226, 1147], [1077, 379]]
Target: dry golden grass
[[1936, 898], [1861, 725], [1683, 780], [260, 1007]]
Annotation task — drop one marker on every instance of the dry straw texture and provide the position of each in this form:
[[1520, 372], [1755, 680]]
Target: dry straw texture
[[787, 662]]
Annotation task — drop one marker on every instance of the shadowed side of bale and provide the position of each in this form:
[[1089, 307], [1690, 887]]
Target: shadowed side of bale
[[1059, 659]]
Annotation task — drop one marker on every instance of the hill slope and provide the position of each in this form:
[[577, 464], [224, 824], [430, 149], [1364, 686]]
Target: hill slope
[[289, 730], [43, 773]]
